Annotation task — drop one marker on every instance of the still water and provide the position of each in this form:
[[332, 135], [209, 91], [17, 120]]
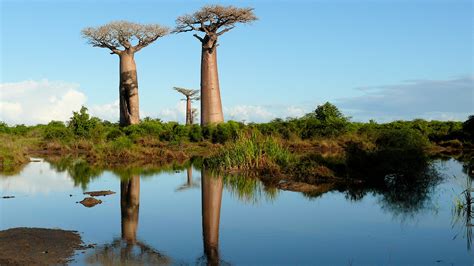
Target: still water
[[190, 216]]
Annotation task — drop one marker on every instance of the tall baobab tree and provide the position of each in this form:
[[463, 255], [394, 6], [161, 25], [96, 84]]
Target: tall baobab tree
[[125, 39], [213, 21], [191, 95]]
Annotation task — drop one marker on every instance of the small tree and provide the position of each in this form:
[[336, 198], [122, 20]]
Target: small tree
[[213, 21], [191, 95], [82, 124], [125, 39], [328, 111]]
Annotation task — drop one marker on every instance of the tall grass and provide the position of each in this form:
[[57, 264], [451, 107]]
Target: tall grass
[[13, 151], [250, 151]]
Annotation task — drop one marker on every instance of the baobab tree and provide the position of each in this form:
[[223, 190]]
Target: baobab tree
[[125, 39], [194, 113], [213, 21], [191, 95]]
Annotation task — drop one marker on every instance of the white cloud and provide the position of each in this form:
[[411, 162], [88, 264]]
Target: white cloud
[[108, 111], [428, 99], [249, 113], [176, 113], [32, 102]]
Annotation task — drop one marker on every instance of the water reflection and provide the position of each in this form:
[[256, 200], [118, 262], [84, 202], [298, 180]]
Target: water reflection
[[128, 250], [249, 189], [290, 224], [130, 205], [463, 213], [211, 198], [189, 180]]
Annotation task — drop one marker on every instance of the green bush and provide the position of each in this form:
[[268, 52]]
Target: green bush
[[81, 124], [56, 130], [4, 128], [208, 131], [195, 133], [113, 134], [122, 143], [398, 152]]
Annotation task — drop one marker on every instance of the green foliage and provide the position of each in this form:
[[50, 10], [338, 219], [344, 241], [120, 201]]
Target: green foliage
[[81, 124], [398, 152], [225, 132], [250, 152], [468, 128], [314, 168], [113, 134], [122, 143], [57, 130], [4, 127], [328, 112], [195, 133]]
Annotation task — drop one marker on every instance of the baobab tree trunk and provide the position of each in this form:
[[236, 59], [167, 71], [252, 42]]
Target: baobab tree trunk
[[129, 204], [190, 176], [211, 196], [211, 106], [188, 111], [129, 108]]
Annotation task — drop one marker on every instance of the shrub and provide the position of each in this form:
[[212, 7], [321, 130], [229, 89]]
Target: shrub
[[122, 143], [195, 133], [56, 130], [397, 153], [113, 134], [81, 124], [4, 127]]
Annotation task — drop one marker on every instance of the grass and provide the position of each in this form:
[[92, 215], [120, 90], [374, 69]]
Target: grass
[[14, 151], [250, 151]]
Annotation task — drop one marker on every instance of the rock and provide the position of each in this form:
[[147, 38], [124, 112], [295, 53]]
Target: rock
[[90, 202], [99, 193]]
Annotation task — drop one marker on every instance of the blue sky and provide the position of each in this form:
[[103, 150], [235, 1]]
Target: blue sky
[[357, 54]]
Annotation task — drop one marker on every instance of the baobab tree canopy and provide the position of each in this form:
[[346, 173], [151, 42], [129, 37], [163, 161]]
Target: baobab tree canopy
[[191, 95], [188, 93], [214, 20], [124, 35], [125, 39]]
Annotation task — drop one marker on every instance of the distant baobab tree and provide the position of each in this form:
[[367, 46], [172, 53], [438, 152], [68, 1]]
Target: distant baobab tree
[[191, 95], [213, 21], [194, 113], [124, 39]]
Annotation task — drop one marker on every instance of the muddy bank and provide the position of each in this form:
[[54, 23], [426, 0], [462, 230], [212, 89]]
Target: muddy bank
[[38, 246]]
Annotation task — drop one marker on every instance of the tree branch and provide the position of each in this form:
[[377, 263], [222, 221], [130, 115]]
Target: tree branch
[[199, 38], [225, 30]]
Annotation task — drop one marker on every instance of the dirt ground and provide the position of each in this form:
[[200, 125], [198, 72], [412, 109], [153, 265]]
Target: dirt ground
[[38, 246]]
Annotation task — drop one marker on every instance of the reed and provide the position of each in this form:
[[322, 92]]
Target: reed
[[251, 151]]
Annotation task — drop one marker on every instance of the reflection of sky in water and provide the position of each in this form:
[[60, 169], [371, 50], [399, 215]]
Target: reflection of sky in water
[[287, 229], [36, 178]]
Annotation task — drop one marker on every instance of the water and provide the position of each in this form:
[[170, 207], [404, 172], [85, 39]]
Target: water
[[156, 217]]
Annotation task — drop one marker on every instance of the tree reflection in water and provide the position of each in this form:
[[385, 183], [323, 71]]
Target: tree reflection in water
[[128, 250], [463, 213], [189, 180], [211, 198]]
